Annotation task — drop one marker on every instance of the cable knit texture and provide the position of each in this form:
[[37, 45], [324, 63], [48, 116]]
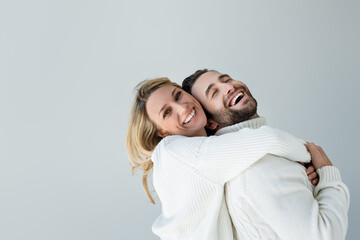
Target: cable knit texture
[[273, 199], [190, 173]]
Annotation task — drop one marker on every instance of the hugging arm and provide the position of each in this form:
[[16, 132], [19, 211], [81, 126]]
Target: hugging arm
[[226, 156]]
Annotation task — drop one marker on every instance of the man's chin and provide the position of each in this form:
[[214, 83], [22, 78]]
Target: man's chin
[[230, 117]]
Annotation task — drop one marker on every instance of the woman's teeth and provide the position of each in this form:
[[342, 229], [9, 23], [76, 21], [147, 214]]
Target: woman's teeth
[[233, 101], [191, 116]]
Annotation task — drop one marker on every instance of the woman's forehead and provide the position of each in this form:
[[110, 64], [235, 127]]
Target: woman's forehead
[[159, 98]]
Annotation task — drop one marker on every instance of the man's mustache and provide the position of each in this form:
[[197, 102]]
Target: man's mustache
[[235, 90]]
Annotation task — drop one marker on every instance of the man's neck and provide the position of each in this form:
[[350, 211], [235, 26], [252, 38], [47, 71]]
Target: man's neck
[[253, 122], [252, 117]]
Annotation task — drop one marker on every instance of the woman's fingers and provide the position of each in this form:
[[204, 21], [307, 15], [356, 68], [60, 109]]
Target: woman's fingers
[[312, 176], [310, 169], [319, 159], [315, 181]]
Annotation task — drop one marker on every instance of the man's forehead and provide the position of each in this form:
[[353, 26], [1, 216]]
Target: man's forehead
[[203, 82], [207, 80], [212, 76]]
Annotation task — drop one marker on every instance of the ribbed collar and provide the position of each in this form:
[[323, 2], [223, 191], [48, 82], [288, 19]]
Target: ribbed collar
[[253, 123]]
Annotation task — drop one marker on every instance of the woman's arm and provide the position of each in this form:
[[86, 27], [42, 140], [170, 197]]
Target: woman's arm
[[221, 158]]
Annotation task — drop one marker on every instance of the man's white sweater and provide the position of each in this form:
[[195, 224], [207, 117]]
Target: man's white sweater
[[273, 199], [190, 173]]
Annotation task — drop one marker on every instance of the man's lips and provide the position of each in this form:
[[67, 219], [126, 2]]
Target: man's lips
[[236, 97]]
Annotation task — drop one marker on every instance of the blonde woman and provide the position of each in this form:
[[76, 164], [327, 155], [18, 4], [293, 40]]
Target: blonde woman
[[166, 134]]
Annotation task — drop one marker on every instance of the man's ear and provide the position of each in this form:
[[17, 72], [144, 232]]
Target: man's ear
[[162, 134], [211, 124]]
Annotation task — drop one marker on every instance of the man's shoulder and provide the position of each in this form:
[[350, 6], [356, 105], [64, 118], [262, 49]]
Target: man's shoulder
[[270, 171]]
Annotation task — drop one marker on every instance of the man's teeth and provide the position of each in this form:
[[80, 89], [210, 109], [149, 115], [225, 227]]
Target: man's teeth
[[240, 94], [191, 116]]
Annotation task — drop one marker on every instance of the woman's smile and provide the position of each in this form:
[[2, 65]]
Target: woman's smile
[[176, 112]]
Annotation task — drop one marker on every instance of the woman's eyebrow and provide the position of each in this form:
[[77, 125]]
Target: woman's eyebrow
[[162, 109], [172, 94], [173, 91]]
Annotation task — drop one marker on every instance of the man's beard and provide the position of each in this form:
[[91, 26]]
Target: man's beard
[[228, 117]]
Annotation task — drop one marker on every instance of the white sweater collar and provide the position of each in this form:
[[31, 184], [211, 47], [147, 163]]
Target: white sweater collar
[[253, 123]]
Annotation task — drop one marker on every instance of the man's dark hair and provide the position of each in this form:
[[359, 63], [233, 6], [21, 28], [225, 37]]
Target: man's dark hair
[[187, 85], [188, 82]]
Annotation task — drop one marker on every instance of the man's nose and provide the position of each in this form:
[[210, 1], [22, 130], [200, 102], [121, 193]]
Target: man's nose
[[228, 88]]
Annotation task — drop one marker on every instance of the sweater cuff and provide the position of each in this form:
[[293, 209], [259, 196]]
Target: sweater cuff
[[328, 173]]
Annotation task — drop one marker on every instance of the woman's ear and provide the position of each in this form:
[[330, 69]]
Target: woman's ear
[[162, 134], [211, 124]]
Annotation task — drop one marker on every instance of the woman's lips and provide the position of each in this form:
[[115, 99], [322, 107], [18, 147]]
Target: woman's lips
[[190, 117]]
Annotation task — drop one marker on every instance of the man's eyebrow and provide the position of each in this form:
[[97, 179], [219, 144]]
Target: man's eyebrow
[[172, 94], [208, 89], [223, 76], [211, 85]]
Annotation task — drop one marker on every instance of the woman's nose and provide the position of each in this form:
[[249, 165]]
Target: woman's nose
[[181, 107]]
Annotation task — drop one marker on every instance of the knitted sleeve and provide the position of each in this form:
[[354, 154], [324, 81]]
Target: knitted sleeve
[[333, 200], [221, 158]]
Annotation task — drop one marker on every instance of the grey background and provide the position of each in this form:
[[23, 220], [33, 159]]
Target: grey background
[[68, 69]]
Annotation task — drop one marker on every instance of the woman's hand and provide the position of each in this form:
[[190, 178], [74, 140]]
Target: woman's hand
[[318, 156], [312, 175]]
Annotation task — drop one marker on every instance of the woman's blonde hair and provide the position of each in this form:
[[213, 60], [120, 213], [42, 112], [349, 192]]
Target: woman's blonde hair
[[142, 135]]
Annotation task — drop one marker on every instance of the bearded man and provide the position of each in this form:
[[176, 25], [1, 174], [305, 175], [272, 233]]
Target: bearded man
[[273, 199]]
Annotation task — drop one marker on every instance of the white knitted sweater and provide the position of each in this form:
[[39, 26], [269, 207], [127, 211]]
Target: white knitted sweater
[[190, 172], [273, 199]]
